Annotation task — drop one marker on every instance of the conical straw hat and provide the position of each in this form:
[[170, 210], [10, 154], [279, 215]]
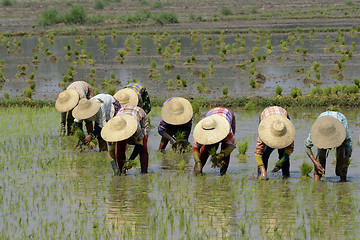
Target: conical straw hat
[[211, 129], [86, 109], [119, 128], [327, 132], [67, 100], [276, 131], [177, 111], [127, 96]]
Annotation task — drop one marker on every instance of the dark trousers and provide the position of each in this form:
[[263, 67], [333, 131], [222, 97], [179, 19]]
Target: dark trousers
[[121, 156], [68, 120], [266, 155], [204, 155]]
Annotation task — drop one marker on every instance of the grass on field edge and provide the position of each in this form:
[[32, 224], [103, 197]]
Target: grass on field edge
[[247, 102]]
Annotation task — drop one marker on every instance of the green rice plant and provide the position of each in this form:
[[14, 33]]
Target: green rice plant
[[316, 90], [7, 3], [157, 5], [49, 17], [165, 17], [305, 169], [278, 90], [6, 95], [170, 84], [99, 5], [356, 82], [182, 165], [225, 91], [27, 93], [196, 107], [252, 83], [112, 90], [243, 146], [327, 90], [200, 87], [250, 105], [226, 11], [76, 15]]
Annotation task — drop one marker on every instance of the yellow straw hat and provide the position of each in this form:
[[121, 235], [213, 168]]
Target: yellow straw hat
[[86, 109], [276, 131], [127, 96], [67, 100], [177, 111], [211, 129], [119, 128]]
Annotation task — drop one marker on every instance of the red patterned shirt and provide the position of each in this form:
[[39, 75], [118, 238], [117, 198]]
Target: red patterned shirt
[[140, 116]]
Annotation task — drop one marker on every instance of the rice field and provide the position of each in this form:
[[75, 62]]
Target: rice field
[[51, 191]]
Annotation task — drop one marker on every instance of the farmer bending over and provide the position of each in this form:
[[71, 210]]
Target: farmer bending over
[[129, 126], [99, 109], [176, 122], [330, 130], [68, 99], [134, 94], [217, 127], [276, 131]]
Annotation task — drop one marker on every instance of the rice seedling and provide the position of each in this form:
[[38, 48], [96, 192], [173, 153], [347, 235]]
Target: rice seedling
[[305, 169]]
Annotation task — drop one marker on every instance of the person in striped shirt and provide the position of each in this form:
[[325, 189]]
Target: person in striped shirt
[[276, 131], [139, 139], [218, 127], [99, 109], [134, 94], [330, 130]]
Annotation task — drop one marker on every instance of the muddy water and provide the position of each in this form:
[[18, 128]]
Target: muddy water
[[48, 190], [279, 68]]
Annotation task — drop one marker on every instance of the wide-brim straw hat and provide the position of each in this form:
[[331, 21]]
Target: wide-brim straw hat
[[276, 131], [119, 128], [67, 100], [327, 132], [86, 109], [127, 96], [211, 129], [177, 111]]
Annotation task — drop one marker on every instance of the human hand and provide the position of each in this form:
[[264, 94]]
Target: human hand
[[87, 139], [318, 168]]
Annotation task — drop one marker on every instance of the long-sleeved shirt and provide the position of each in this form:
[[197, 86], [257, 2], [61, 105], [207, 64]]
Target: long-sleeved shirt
[[109, 106], [229, 140], [260, 145], [343, 120], [140, 116], [84, 89]]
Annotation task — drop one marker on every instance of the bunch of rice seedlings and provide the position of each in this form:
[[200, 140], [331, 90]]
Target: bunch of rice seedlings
[[306, 168]]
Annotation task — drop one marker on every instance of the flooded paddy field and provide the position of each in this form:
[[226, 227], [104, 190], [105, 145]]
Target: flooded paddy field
[[188, 65], [49, 190]]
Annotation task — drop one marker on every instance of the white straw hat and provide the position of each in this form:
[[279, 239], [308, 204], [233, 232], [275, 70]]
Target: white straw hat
[[327, 132], [86, 109], [276, 131], [127, 96], [211, 129], [119, 128], [177, 111], [67, 100]]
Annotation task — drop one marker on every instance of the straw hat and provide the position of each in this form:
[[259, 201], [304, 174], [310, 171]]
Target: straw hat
[[211, 129], [67, 100], [86, 109], [327, 132], [127, 96], [177, 111], [119, 128], [276, 131]]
